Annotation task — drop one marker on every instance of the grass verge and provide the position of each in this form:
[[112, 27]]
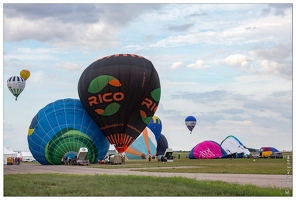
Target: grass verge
[[121, 185]]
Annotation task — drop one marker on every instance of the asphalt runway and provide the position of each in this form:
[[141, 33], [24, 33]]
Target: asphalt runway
[[279, 181]]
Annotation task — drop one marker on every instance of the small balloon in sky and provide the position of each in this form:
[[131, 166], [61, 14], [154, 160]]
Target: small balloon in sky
[[190, 122], [16, 85], [25, 74]]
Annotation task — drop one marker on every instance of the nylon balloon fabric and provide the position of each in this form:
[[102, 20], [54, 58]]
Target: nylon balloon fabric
[[16, 85], [60, 129], [121, 93]]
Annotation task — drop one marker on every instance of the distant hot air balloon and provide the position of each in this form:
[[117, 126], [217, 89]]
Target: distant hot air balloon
[[16, 85], [60, 129], [121, 93], [155, 126], [190, 122], [25, 74]]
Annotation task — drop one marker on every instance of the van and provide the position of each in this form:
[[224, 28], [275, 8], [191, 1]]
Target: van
[[276, 155]]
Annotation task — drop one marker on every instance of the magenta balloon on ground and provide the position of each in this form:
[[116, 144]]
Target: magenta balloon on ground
[[207, 150]]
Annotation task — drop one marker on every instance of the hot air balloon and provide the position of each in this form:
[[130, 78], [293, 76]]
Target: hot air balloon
[[60, 129], [121, 93], [233, 146], [207, 150], [190, 122], [25, 74], [162, 145], [143, 147], [155, 126], [16, 85]]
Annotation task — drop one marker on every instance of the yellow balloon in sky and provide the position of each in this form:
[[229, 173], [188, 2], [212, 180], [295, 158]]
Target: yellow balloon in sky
[[25, 74]]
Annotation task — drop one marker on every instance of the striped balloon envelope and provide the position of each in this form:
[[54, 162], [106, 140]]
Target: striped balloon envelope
[[60, 129], [143, 146]]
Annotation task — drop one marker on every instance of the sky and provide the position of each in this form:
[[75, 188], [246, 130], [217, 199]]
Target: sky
[[228, 65]]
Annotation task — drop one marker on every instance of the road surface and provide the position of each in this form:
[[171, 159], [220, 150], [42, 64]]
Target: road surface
[[279, 181]]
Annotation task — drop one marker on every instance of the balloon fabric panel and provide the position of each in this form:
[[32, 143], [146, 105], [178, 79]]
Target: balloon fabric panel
[[190, 122], [207, 150], [25, 74], [16, 85], [162, 145], [121, 93], [155, 126], [143, 146], [60, 129]]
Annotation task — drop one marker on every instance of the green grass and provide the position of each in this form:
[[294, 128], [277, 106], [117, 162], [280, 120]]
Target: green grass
[[237, 166], [120, 185]]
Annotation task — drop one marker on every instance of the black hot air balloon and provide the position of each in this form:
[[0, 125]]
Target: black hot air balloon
[[121, 93]]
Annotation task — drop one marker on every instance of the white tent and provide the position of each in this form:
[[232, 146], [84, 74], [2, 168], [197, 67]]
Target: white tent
[[8, 153], [27, 156]]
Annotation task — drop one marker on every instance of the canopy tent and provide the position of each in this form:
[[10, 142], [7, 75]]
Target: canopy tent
[[8, 153]]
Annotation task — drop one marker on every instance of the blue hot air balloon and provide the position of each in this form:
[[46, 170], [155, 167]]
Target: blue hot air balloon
[[60, 129], [190, 122], [155, 126]]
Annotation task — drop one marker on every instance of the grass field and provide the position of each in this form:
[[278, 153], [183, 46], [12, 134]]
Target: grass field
[[117, 185], [236, 166]]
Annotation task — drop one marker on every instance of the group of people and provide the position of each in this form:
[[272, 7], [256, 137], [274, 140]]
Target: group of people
[[69, 161], [14, 160]]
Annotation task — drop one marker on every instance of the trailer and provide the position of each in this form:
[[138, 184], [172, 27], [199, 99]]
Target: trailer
[[113, 159], [168, 155], [81, 156]]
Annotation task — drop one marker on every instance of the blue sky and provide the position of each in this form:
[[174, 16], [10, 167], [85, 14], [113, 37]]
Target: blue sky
[[229, 65]]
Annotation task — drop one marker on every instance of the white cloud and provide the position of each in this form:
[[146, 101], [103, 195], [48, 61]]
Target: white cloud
[[236, 59], [199, 64], [69, 66], [176, 65]]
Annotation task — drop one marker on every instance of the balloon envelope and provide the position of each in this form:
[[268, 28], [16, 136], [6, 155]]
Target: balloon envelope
[[155, 126], [16, 85], [190, 122], [60, 129], [121, 93], [207, 150], [269, 149], [232, 145], [25, 74], [143, 146], [162, 145]]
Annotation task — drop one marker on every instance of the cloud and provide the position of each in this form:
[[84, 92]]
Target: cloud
[[236, 60], [69, 66], [183, 27], [277, 53], [199, 64], [87, 26], [276, 9], [7, 126], [176, 65]]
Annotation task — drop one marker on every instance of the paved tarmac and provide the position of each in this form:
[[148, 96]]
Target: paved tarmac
[[279, 181]]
